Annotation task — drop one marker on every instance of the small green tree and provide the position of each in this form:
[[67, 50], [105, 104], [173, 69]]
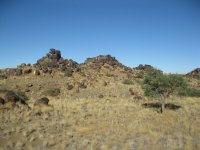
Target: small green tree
[[161, 86]]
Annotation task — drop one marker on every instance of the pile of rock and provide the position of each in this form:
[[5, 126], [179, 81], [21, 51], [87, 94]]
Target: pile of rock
[[46, 64], [53, 60], [14, 72], [195, 73], [100, 60]]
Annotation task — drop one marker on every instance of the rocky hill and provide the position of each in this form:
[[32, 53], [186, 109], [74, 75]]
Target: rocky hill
[[54, 62], [195, 73], [95, 75], [57, 103], [101, 60]]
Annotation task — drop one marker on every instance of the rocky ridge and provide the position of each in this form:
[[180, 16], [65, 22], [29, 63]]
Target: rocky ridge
[[53, 61], [195, 73], [46, 65]]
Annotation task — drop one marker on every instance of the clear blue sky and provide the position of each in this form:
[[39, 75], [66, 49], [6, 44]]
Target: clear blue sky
[[162, 33]]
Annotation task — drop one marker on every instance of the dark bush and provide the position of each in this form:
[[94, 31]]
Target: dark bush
[[191, 92]]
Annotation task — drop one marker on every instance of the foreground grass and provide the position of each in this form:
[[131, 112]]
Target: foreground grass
[[102, 124]]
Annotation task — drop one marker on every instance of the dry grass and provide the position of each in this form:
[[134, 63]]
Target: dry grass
[[102, 124], [80, 120]]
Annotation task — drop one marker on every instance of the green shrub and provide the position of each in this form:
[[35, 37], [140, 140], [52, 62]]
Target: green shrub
[[52, 92], [21, 95], [140, 75], [127, 81], [68, 72], [191, 92], [159, 85]]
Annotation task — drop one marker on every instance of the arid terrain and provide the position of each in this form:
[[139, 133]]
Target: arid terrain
[[96, 105]]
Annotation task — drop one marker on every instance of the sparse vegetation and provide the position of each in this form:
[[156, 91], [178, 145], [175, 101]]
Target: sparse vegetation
[[109, 74], [2, 89], [52, 92], [140, 75], [191, 92], [21, 95], [127, 81], [68, 72], [97, 109]]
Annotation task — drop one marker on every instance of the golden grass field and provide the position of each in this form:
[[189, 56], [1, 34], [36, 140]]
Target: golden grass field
[[102, 124], [80, 120]]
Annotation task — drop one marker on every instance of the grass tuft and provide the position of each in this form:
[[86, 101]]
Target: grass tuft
[[127, 81], [52, 92]]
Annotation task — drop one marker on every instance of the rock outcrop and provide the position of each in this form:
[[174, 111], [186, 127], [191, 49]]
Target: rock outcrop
[[97, 62], [195, 73], [53, 60]]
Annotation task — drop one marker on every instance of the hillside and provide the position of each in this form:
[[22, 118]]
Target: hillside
[[57, 103]]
